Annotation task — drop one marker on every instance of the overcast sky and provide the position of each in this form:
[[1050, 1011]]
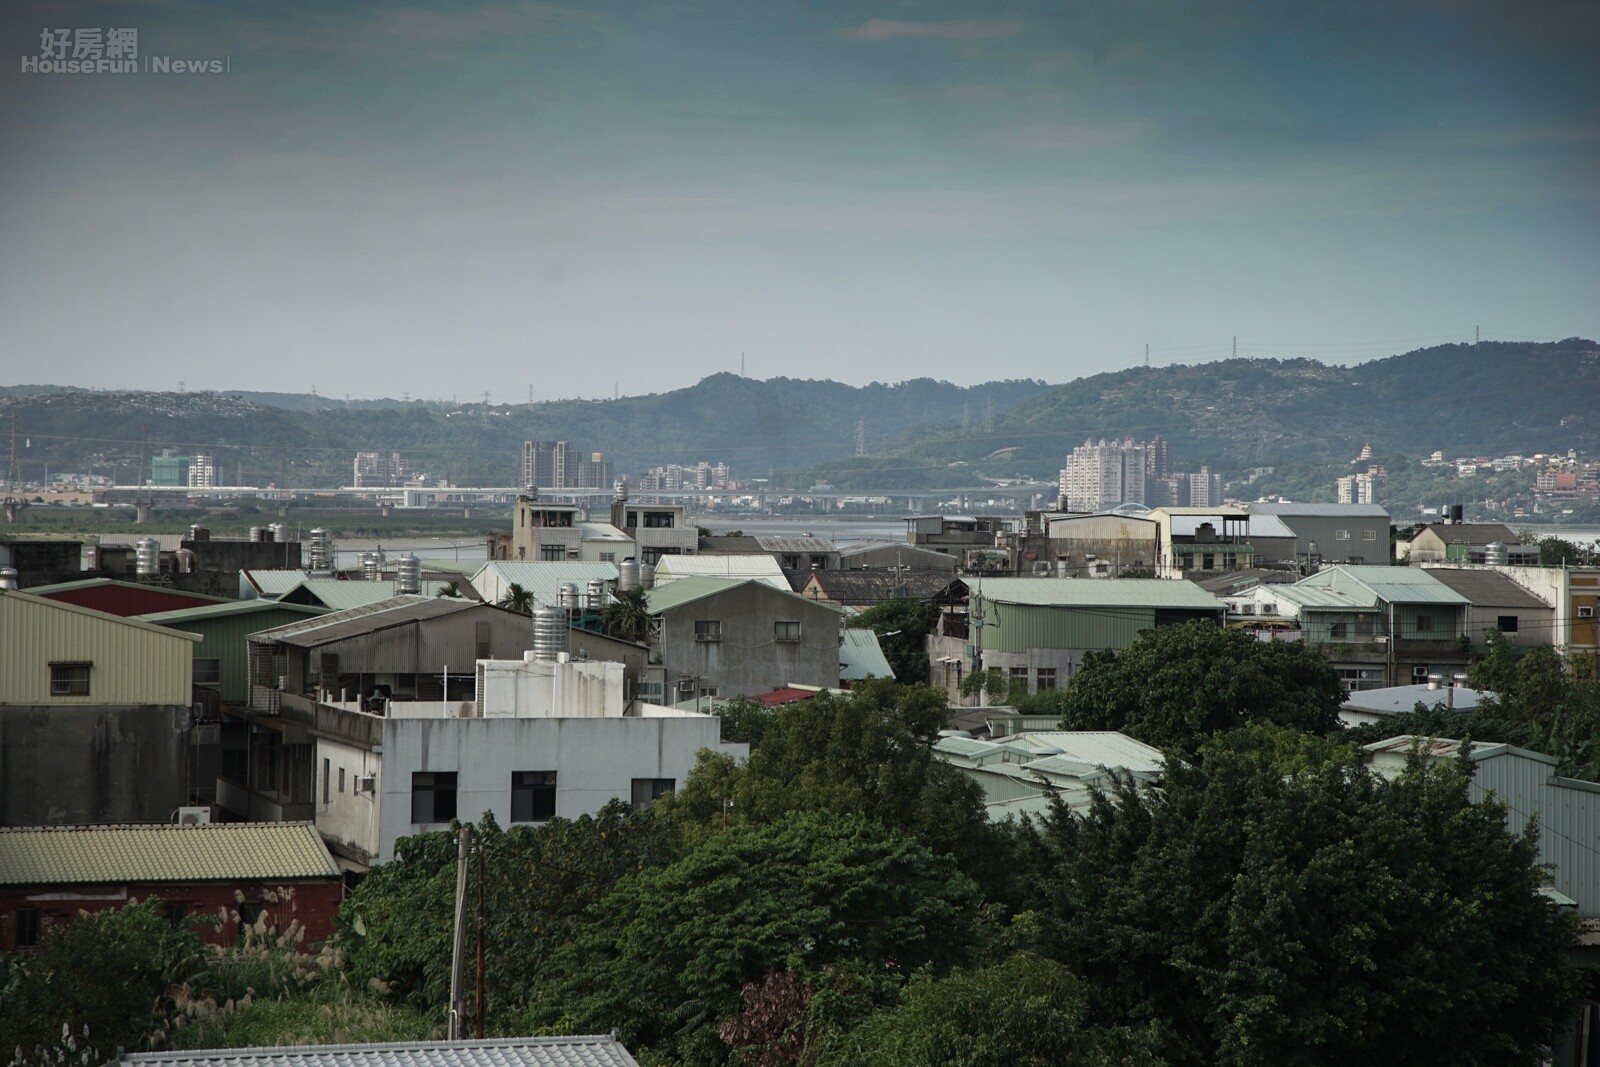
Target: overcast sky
[[377, 199]]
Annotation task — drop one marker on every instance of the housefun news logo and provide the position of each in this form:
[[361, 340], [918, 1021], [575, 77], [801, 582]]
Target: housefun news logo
[[109, 51]]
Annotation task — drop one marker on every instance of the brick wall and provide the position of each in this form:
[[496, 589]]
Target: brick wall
[[312, 903]]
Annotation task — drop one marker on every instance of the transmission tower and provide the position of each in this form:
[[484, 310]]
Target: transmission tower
[[13, 475], [861, 437], [486, 407], [988, 415], [966, 415]]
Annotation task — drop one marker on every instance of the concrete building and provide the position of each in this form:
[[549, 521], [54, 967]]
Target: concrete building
[[1204, 541], [202, 471], [1021, 774], [1037, 630], [95, 720], [1470, 542], [52, 874], [1333, 533], [1205, 489], [169, 469], [550, 532], [657, 529], [898, 555], [379, 470], [1102, 475], [1495, 602], [539, 740], [972, 540], [1355, 488], [731, 637], [1573, 594], [560, 465]]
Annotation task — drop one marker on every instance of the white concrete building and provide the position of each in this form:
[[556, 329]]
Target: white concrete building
[[1104, 474], [540, 740]]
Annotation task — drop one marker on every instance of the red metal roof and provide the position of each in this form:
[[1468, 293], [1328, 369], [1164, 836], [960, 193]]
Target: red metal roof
[[784, 696], [126, 600]]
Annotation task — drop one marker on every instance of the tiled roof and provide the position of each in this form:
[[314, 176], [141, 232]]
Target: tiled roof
[[598, 1050], [1487, 588], [1321, 511], [1095, 592], [161, 852], [1470, 533]]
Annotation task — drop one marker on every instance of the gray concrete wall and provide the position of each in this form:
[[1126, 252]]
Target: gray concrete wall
[[94, 764], [748, 660]]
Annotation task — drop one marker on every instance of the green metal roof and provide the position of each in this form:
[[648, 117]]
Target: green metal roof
[[339, 595], [861, 657], [681, 591], [274, 583], [542, 578], [65, 855], [95, 583], [1392, 585], [1095, 592], [1315, 597], [231, 607]]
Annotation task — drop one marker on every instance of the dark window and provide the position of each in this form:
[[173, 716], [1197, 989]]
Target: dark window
[[249, 912], [1424, 622], [658, 520], [176, 913], [1046, 679], [207, 672], [234, 762], [533, 796], [552, 553], [1339, 631], [433, 796], [708, 630], [327, 775], [1507, 624], [69, 679], [786, 631], [647, 791], [341, 779], [27, 927]]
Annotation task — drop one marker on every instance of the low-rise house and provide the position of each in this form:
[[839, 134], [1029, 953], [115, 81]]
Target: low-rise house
[[600, 1050], [539, 739], [1022, 772], [1398, 619], [757, 566], [1212, 540], [1470, 542], [896, 555], [731, 637], [95, 719], [542, 581], [973, 540], [863, 589], [551, 532], [1037, 630], [1333, 533], [657, 529], [220, 663], [1574, 595], [1495, 602], [1366, 706], [50, 874], [1067, 545], [1567, 809]]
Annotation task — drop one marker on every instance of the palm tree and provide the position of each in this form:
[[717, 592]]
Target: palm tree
[[627, 617], [516, 598], [450, 589]]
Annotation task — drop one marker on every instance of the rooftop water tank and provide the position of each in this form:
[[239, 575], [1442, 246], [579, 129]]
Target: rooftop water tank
[[279, 531], [594, 598], [408, 575], [258, 533], [185, 561], [199, 533], [147, 557], [321, 550], [569, 597], [371, 566], [647, 576], [627, 575], [1496, 554], [549, 633], [8, 577]]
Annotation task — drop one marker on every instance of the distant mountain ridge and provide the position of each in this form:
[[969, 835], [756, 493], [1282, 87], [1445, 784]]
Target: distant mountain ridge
[[1488, 399]]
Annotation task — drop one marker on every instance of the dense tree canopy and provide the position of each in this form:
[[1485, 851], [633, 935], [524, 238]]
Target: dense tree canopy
[[1177, 685], [902, 627], [1556, 700], [1276, 902]]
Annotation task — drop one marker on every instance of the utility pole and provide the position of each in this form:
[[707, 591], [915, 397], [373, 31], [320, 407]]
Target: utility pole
[[1146, 357], [477, 1007], [458, 1003]]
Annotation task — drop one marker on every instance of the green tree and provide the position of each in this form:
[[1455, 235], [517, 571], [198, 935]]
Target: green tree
[[902, 626], [1558, 701], [1177, 685], [628, 616], [1025, 1010], [665, 956], [98, 984], [1559, 552], [516, 598], [1276, 902]]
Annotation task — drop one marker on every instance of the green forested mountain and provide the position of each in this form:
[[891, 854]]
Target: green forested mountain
[[1490, 399]]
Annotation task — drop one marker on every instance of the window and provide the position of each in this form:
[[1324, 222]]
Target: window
[[433, 796], [27, 927], [1045, 679], [552, 553], [69, 679], [1018, 681], [341, 779], [1586, 613], [1341, 535], [708, 630], [1424, 623], [1506, 624], [1339, 631], [1369, 535], [608, 557], [647, 791], [706, 691], [786, 631], [327, 776], [533, 796], [176, 913], [208, 672]]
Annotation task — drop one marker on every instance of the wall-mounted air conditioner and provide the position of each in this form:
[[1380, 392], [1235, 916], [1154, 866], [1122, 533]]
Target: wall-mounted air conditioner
[[366, 783], [197, 816]]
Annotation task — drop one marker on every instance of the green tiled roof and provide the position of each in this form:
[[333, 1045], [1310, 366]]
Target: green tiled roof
[[1095, 592], [212, 852]]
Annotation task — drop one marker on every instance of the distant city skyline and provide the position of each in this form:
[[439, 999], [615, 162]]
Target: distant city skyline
[[572, 200]]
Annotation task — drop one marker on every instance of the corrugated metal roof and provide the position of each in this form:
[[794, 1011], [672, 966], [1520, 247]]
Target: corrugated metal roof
[[1095, 592], [1470, 533], [1392, 585], [861, 656], [1321, 511], [681, 591], [102, 583], [1487, 588], [1311, 596], [600, 531], [1255, 525], [1398, 699], [794, 544], [274, 583], [339, 595], [67, 855], [1102, 748], [758, 566], [338, 625], [598, 1050], [232, 607], [126, 620], [543, 579]]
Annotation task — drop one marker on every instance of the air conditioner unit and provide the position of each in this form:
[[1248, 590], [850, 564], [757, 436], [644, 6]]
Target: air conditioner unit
[[197, 816], [366, 783]]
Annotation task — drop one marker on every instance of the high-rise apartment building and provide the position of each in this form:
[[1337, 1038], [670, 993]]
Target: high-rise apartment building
[[379, 470], [1104, 474], [1356, 488], [559, 465], [202, 471], [1205, 489]]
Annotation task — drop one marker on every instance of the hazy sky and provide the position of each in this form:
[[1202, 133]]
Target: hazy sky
[[497, 196]]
